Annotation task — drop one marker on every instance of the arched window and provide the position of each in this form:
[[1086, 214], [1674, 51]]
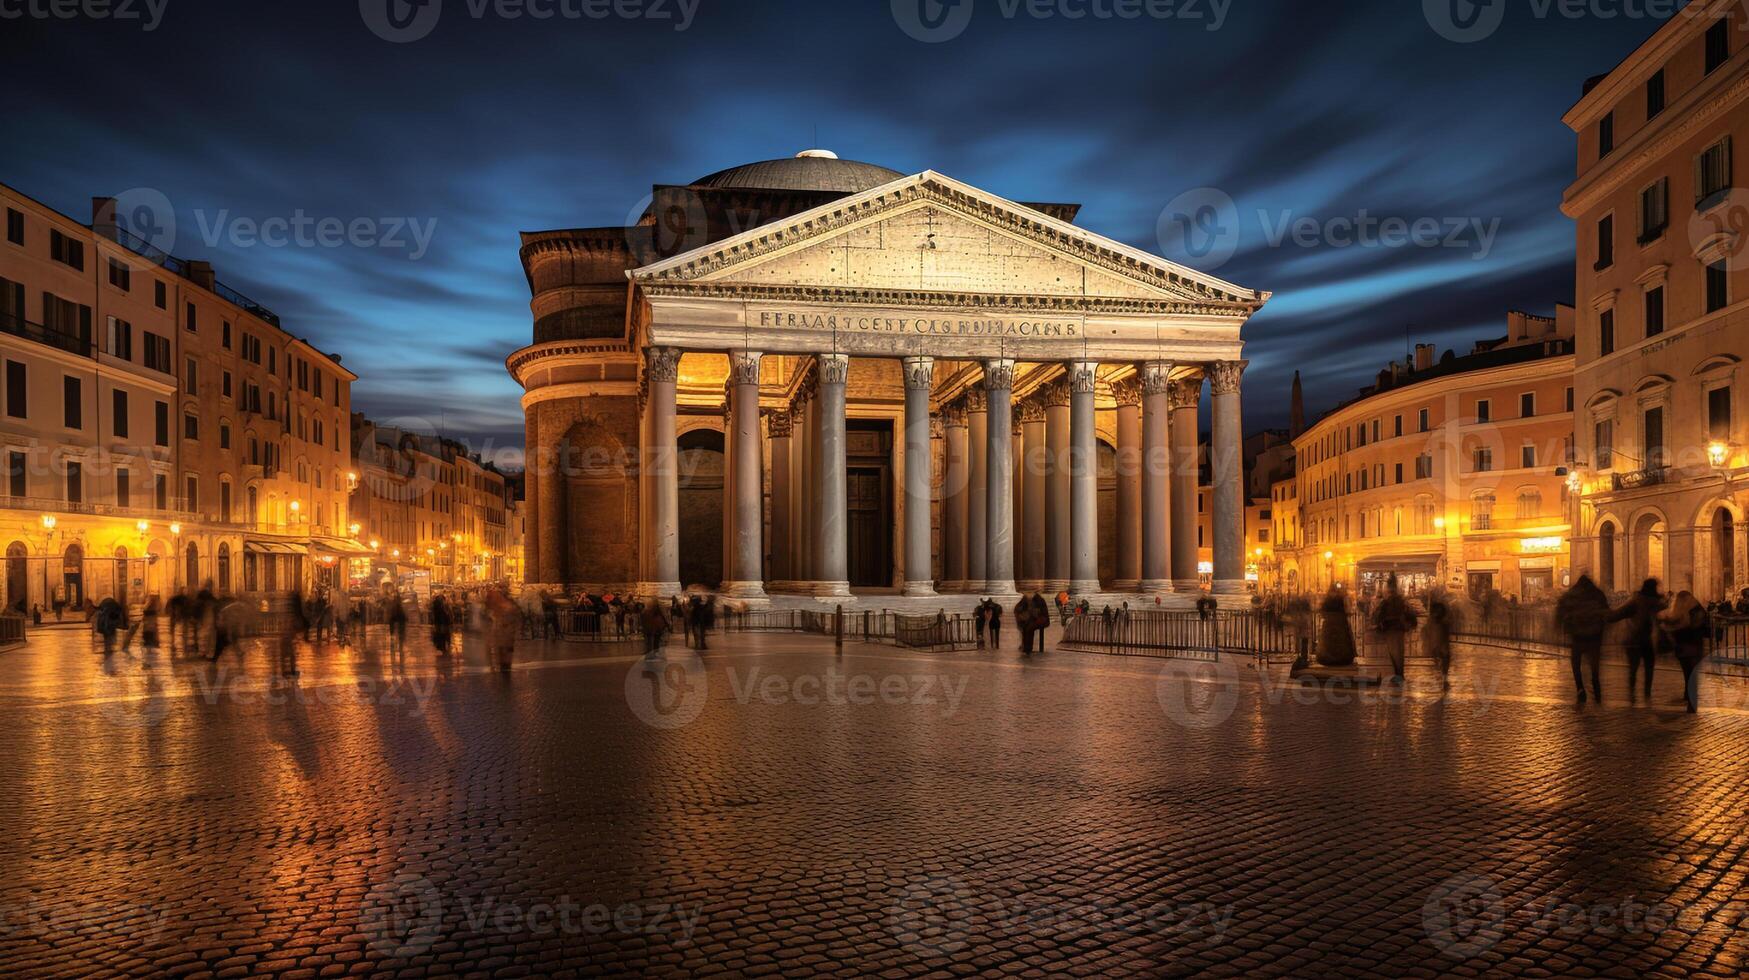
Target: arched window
[[222, 568], [1530, 504], [1482, 511]]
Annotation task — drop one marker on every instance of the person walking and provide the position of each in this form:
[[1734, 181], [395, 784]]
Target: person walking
[[149, 623], [295, 627], [1687, 623], [993, 620], [1392, 620], [1041, 619], [501, 626], [1641, 614], [1583, 613], [1023, 624], [396, 615], [442, 625], [109, 620], [1335, 635], [980, 619], [1436, 639], [655, 624]]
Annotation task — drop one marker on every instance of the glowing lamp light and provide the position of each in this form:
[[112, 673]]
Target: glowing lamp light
[[375, 545], [295, 507], [1574, 482], [48, 522], [355, 527], [175, 529], [142, 527], [395, 554], [1717, 453], [1439, 523], [1329, 556]]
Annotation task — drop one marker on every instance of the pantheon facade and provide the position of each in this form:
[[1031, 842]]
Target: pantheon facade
[[820, 378]]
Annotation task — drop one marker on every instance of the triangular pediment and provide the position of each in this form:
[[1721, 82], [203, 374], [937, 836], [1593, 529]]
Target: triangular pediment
[[931, 234]]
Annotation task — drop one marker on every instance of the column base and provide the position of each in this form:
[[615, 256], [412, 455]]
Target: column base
[[1231, 586], [974, 585], [920, 590], [1160, 586], [1002, 591], [1052, 586], [1127, 585], [951, 587], [1187, 585], [832, 590], [1086, 587], [742, 590], [658, 590], [1031, 585]]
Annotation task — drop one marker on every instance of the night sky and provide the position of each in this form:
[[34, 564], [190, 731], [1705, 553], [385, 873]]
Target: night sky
[[241, 112]]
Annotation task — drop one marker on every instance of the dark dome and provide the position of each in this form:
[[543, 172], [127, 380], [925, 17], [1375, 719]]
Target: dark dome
[[809, 170]]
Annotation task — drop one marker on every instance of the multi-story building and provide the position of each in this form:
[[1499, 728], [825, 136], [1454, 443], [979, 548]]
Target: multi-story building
[[426, 505], [161, 429], [1663, 293], [1448, 472]]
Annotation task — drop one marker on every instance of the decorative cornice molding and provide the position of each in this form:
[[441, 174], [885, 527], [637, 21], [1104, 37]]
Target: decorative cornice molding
[[662, 364], [834, 368], [1224, 377], [1187, 393], [743, 367], [1608, 177], [942, 299], [919, 373], [527, 355]]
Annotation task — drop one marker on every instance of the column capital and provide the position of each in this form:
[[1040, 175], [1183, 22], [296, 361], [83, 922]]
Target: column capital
[[1155, 377], [937, 427], [1127, 392], [834, 368], [1031, 410], [779, 424], [1224, 376], [662, 363], [999, 374], [744, 367], [977, 400], [1187, 392], [1083, 376], [954, 416], [1057, 394], [797, 412], [920, 372]]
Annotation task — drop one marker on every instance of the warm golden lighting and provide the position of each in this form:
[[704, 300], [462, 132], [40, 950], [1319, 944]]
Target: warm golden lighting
[[175, 529], [1717, 453], [354, 528], [395, 554], [1575, 483], [1439, 523], [142, 526], [48, 522], [376, 545], [295, 507], [1329, 556], [1539, 545]]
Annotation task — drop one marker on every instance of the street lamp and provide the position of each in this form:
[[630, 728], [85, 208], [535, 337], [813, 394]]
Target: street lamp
[[354, 528], [48, 522], [1718, 453]]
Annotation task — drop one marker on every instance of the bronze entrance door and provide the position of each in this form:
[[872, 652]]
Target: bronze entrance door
[[869, 524]]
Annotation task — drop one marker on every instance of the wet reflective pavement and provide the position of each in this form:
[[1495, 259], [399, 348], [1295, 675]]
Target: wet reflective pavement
[[772, 807]]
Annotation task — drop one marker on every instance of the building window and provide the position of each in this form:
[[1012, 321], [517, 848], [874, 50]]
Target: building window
[[1484, 460], [225, 500], [1527, 405], [1606, 333], [1655, 95], [1530, 505], [161, 420], [1569, 399], [1605, 134], [191, 322], [15, 226], [1484, 411], [225, 334], [1482, 512], [1527, 457], [1654, 210], [123, 492], [1718, 413], [157, 352], [190, 426], [1424, 467], [1425, 421], [1604, 440], [75, 483], [118, 402], [66, 251], [160, 295], [120, 276], [72, 404], [1399, 472], [225, 384], [1654, 311], [1718, 44], [17, 392], [191, 494], [1718, 287], [224, 435], [161, 491], [118, 341], [1605, 242], [191, 376], [1654, 430], [17, 475], [1712, 172]]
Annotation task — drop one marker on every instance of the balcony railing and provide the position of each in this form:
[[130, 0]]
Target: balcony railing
[[48, 505], [147, 250], [20, 327], [1649, 477]]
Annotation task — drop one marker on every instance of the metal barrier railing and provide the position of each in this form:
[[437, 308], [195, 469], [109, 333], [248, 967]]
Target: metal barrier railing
[[937, 632], [11, 629], [1260, 634]]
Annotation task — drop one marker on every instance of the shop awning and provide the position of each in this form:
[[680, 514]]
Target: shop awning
[[1423, 564], [275, 548], [341, 547]]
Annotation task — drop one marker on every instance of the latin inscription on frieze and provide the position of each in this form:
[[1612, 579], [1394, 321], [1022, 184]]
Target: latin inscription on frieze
[[918, 325]]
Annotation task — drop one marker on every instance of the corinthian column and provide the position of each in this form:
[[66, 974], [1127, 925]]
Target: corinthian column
[[1057, 537], [1083, 480], [1032, 415], [779, 428], [999, 496], [1186, 394], [749, 465], [977, 484], [831, 541], [1158, 482], [919, 381], [1129, 483], [955, 511], [1227, 477], [661, 537]]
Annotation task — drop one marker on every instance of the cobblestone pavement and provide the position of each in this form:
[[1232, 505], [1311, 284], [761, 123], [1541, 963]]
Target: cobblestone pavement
[[772, 807]]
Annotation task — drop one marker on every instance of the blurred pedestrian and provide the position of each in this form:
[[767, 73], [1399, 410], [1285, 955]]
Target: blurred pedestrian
[[1023, 623], [1393, 620], [655, 624], [1583, 613], [1335, 634], [1641, 614], [1436, 639], [1687, 623]]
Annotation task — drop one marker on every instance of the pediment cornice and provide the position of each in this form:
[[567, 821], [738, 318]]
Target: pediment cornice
[[717, 260], [936, 299]]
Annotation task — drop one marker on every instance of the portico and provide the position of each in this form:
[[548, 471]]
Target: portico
[[927, 352]]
